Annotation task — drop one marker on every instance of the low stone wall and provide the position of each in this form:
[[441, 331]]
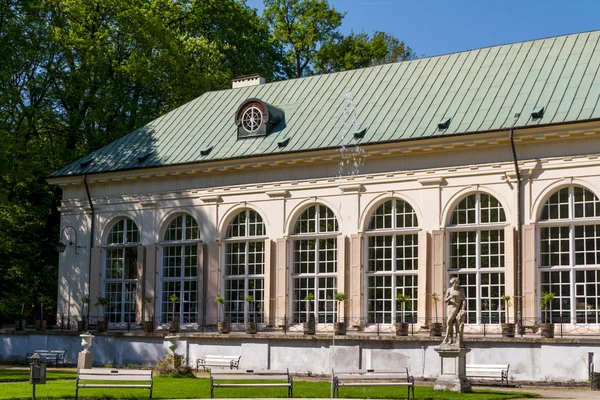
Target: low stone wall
[[530, 359]]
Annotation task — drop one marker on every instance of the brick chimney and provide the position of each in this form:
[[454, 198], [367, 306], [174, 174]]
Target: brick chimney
[[249, 80]]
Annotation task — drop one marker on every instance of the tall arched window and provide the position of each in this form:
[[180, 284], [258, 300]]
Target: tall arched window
[[392, 262], [476, 236], [245, 267], [314, 270], [570, 254], [179, 272], [121, 272]]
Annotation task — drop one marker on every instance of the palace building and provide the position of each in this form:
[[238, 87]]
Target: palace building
[[387, 180]]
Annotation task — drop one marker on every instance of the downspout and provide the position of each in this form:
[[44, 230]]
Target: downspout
[[518, 239], [93, 219]]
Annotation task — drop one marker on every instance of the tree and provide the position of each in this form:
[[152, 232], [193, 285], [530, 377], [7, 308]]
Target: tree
[[360, 51], [77, 74], [300, 28]]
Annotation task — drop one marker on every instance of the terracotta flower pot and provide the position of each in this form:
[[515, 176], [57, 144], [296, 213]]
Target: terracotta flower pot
[[339, 328], [508, 330], [149, 326], [102, 326], [547, 330], [250, 327], [401, 329], [435, 330], [82, 325], [309, 328], [223, 327], [174, 326]]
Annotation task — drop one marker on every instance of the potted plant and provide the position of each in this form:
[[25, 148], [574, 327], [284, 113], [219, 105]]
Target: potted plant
[[149, 322], [547, 327], [21, 322], [40, 324], [86, 341], [102, 322], [403, 302], [309, 324], [508, 329], [222, 325], [339, 325], [82, 324], [174, 323], [251, 324], [435, 330]]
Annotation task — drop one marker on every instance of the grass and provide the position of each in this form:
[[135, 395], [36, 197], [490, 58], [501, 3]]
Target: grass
[[22, 374], [61, 385]]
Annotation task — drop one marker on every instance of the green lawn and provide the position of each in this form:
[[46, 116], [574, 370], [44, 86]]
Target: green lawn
[[181, 388]]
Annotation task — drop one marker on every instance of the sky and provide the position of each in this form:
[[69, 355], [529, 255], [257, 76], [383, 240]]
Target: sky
[[434, 27]]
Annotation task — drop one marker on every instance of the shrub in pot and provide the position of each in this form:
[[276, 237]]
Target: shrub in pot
[[547, 327], [309, 324], [101, 302], [339, 325], [222, 325], [174, 323], [402, 302], [251, 323], [149, 322], [40, 324], [435, 330], [508, 328], [82, 324]]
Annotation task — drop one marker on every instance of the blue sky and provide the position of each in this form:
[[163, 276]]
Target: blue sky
[[433, 27]]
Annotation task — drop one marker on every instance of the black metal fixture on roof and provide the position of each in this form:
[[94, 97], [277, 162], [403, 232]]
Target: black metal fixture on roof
[[537, 113], [444, 124], [360, 134], [284, 143], [86, 163], [255, 118], [61, 247], [206, 151], [143, 157]]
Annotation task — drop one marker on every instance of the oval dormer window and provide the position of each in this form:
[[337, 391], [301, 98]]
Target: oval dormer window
[[256, 118], [252, 119]]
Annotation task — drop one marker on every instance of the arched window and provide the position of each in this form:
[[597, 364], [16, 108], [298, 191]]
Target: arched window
[[121, 272], [392, 262], [570, 254], [179, 271], [245, 267], [476, 236], [314, 270]]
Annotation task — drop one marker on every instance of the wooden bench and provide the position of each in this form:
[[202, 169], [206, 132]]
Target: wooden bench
[[250, 378], [488, 371], [48, 356], [113, 378], [218, 361], [373, 377]]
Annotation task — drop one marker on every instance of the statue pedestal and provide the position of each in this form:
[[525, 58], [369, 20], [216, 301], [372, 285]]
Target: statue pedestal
[[84, 360], [453, 369]]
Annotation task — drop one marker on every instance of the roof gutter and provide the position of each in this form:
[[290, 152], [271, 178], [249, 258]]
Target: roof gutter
[[518, 239], [93, 219]]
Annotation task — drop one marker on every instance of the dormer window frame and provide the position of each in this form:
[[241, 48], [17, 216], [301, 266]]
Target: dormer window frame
[[249, 126]]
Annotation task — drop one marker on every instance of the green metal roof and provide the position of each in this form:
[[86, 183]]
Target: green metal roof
[[479, 90]]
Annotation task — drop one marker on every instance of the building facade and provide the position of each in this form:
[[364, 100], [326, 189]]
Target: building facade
[[383, 181]]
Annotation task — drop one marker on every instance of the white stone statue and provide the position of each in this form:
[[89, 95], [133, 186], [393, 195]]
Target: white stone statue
[[455, 300]]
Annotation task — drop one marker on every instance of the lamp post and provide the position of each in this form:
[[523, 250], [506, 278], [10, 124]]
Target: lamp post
[[61, 247]]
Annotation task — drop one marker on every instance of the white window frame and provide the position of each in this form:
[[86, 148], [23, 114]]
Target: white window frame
[[246, 239], [394, 231], [329, 315], [162, 303], [571, 222], [123, 281], [477, 226]]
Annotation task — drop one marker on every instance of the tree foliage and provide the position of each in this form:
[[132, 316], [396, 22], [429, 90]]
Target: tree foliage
[[300, 28], [77, 74], [360, 51]]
